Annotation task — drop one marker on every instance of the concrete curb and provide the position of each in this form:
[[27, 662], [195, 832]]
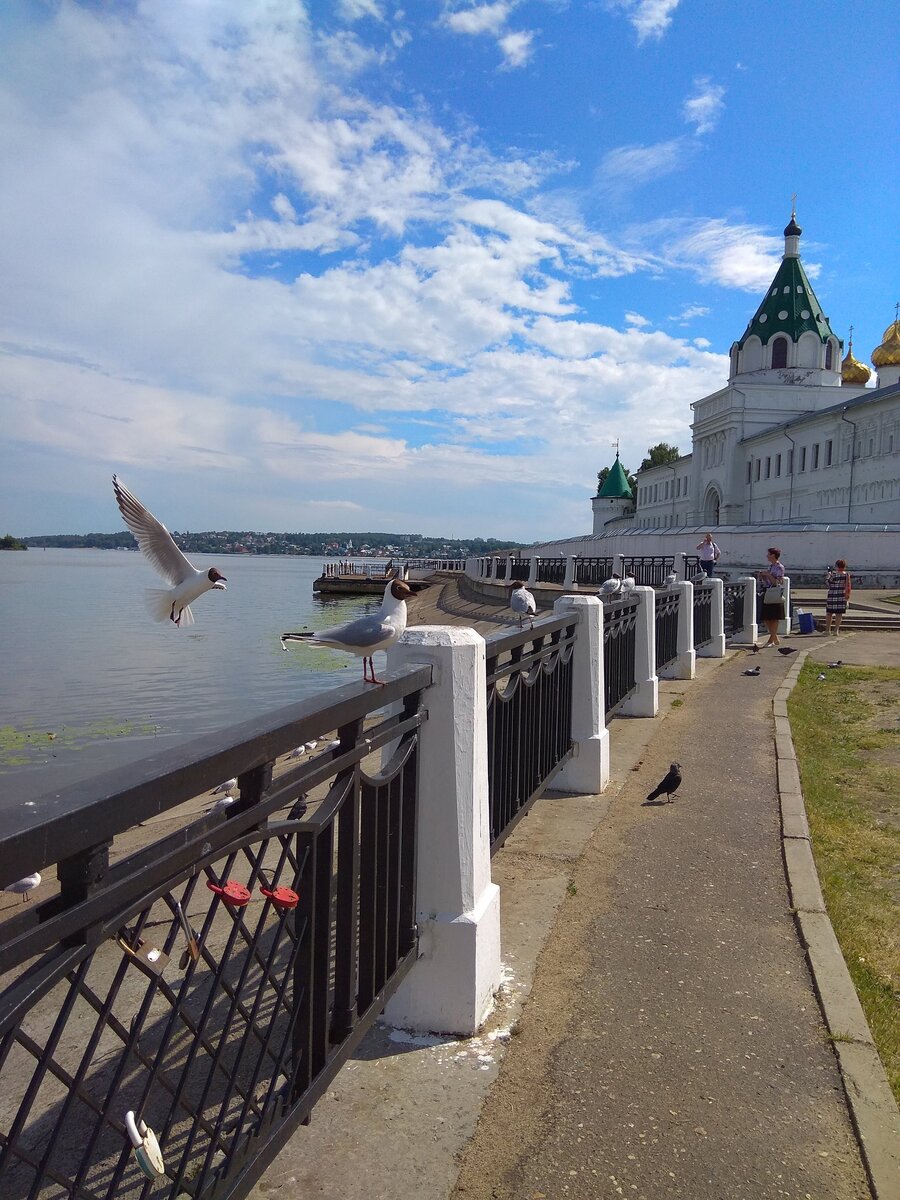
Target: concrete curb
[[873, 1110]]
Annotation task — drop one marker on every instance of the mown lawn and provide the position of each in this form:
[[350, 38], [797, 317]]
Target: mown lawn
[[846, 731]]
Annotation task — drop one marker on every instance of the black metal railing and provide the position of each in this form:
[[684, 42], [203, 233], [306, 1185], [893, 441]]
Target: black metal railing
[[619, 631], [591, 572], [499, 568], [213, 980], [551, 570], [649, 570], [733, 600], [703, 594], [520, 568], [668, 605], [690, 565], [529, 716]]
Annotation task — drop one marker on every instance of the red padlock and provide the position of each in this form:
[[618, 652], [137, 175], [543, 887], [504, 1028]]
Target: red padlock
[[281, 897], [233, 894]]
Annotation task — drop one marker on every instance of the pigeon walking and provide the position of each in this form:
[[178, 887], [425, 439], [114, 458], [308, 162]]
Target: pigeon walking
[[186, 582], [365, 635], [669, 784], [754, 671], [787, 649], [522, 602]]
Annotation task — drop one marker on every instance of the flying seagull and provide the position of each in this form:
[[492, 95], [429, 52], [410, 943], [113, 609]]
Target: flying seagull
[[186, 582], [669, 784], [365, 635], [522, 602]]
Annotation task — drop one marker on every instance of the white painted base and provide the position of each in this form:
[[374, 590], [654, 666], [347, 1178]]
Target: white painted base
[[451, 988], [713, 649], [644, 700], [588, 772], [683, 666], [746, 636]]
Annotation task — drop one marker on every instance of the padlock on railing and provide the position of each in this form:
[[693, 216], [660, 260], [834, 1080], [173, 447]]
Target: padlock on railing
[[233, 894], [281, 897], [146, 1147]]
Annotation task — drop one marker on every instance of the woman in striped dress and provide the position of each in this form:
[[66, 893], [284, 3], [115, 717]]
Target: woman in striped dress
[[838, 581]]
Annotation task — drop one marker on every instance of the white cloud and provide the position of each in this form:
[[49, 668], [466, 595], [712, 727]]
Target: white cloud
[[482, 18], [517, 49], [650, 18], [737, 256], [636, 320], [689, 313], [705, 107], [353, 10], [633, 166]]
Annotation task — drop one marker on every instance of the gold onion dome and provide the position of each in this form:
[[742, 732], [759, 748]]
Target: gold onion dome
[[888, 353], [852, 370]]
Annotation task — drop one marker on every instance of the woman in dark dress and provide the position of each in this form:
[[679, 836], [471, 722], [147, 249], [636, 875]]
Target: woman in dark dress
[[772, 576], [838, 581]]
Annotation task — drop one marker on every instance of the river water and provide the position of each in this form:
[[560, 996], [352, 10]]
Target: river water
[[88, 681]]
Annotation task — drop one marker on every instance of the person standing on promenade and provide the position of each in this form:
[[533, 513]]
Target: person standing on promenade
[[838, 581], [772, 611], [709, 554]]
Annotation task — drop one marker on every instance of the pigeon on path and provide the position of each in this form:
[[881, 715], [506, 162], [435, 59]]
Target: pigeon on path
[[839, 663], [787, 649], [365, 635], [669, 784], [522, 602], [186, 582], [754, 671]]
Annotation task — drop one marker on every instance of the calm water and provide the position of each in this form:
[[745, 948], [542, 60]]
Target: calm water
[[82, 660]]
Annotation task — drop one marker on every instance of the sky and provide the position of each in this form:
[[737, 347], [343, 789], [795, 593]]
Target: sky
[[348, 265]]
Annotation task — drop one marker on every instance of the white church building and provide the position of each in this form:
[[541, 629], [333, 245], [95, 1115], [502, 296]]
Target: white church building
[[795, 437]]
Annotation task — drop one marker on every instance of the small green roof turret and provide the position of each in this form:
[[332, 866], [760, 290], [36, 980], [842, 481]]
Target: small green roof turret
[[790, 306], [616, 486]]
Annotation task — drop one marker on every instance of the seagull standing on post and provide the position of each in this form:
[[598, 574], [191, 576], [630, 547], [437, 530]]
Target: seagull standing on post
[[522, 602], [155, 541], [364, 636]]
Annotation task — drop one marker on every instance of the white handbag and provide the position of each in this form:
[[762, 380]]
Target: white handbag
[[773, 595]]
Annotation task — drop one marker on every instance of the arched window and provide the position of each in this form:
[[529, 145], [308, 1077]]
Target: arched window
[[829, 355], [779, 352]]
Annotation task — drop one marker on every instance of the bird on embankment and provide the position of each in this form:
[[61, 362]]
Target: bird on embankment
[[24, 887], [669, 784], [522, 602], [366, 635], [156, 543]]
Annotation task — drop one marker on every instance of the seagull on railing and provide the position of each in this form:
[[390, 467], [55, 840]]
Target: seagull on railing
[[155, 541], [628, 584], [611, 586], [366, 635], [522, 602]]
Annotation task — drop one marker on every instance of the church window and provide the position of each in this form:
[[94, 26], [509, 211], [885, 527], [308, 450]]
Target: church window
[[828, 452], [758, 466], [829, 356], [782, 316], [815, 465], [779, 352], [890, 443], [768, 465], [799, 290], [802, 458], [777, 464], [786, 290], [871, 445], [749, 469], [790, 467], [804, 313], [847, 448]]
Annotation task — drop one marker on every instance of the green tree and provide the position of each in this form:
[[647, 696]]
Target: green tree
[[659, 455], [11, 543]]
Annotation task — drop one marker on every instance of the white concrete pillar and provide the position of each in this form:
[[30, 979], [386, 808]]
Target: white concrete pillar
[[569, 577], [715, 647], [509, 568], [644, 700], [749, 631], [451, 987], [784, 627], [533, 570], [587, 772], [490, 567], [685, 664]]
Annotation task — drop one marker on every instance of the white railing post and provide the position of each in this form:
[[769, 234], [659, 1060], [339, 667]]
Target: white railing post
[[492, 566], [533, 570], [685, 663], [509, 568], [451, 987], [749, 631], [715, 647], [569, 577], [784, 627], [644, 700], [587, 772]]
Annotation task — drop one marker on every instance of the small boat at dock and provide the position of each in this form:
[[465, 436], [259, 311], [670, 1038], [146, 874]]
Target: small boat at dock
[[355, 579]]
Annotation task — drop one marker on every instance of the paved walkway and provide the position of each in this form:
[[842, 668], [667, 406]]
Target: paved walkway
[[665, 1042]]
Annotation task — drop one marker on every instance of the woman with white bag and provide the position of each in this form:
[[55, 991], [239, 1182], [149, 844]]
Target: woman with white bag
[[772, 607]]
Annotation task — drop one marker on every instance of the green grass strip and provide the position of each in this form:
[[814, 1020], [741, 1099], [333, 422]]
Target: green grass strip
[[846, 731]]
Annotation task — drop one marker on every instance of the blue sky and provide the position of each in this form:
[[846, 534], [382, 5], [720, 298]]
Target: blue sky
[[348, 265]]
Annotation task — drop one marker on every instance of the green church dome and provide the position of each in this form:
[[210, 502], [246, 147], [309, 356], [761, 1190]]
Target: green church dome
[[616, 486]]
